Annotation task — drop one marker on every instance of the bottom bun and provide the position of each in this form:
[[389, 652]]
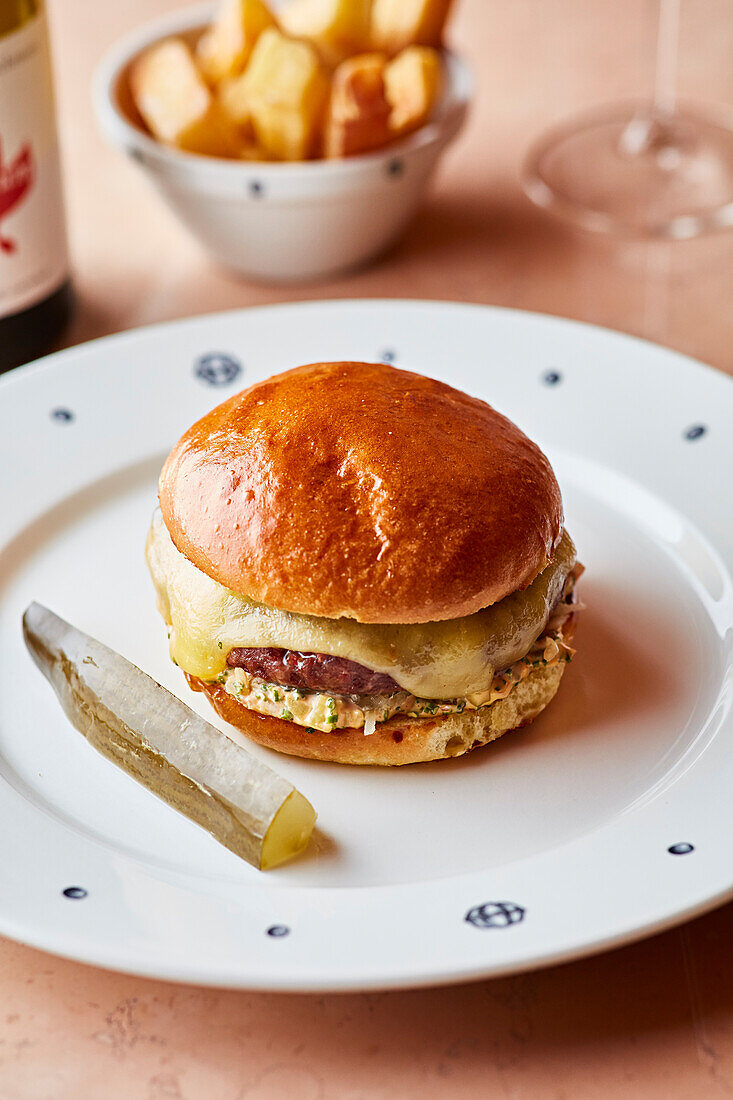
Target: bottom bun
[[401, 740]]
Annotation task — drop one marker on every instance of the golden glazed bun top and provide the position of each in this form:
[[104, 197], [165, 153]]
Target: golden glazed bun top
[[358, 490]]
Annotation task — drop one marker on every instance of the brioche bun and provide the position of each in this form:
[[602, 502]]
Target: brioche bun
[[357, 490]]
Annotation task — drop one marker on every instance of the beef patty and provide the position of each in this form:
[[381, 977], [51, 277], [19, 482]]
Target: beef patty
[[312, 671]]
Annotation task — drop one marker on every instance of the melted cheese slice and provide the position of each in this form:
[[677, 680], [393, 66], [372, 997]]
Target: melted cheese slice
[[437, 660]]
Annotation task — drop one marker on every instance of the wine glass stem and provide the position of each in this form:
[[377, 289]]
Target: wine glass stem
[[651, 125], [668, 38]]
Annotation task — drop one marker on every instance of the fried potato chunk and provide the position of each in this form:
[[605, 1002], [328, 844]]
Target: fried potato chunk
[[234, 101], [338, 28], [286, 88], [316, 81], [412, 85], [225, 48], [176, 104], [396, 24], [359, 111]]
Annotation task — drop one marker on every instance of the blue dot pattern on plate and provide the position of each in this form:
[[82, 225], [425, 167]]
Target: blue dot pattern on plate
[[495, 914], [552, 377], [695, 431], [388, 356], [256, 189], [64, 416], [217, 369], [277, 931], [76, 893], [682, 849]]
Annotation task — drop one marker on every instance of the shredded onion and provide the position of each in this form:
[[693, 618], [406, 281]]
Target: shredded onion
[[370, 724]]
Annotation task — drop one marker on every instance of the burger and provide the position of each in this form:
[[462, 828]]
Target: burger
[[364, 565]]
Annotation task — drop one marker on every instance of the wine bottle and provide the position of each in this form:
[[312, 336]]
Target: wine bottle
[[35, 286]]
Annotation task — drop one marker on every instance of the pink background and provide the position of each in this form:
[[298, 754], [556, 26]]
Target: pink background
[[651, 1020]]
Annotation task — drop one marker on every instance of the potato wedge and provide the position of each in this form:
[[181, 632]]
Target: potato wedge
[[225, 48], [412, 85], [232, 97], [396, 24], [358, 111], [251, 151], [176, 104], [338, 28], [286, 86]]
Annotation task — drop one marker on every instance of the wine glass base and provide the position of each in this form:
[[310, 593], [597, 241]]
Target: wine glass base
[[628, 173]]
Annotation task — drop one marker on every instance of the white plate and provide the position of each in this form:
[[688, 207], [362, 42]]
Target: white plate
[[608, 818]]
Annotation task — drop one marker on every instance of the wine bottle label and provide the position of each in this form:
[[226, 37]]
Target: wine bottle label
[[33, 251]]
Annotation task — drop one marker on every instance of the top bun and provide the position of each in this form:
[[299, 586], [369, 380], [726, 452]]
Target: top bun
[[357, 490]]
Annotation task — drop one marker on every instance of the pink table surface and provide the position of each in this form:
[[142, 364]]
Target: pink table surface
[[651, 1020]]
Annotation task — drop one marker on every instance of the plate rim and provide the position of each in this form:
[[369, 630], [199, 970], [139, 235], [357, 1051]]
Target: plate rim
[[155, 328]]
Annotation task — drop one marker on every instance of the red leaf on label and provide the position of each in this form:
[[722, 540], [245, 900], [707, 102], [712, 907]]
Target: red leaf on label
[[16, 179]]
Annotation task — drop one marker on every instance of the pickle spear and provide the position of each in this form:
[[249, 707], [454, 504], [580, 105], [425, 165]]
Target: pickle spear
[[167, 747]]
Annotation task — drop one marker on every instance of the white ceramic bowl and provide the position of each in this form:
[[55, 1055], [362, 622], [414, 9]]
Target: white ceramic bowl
[[273, 221]]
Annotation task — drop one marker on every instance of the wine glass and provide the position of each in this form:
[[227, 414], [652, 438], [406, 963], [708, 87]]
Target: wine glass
[[645, 169]]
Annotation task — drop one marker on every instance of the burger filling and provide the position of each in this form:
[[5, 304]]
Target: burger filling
[[330, 674], [329, 710], [312, 671]]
